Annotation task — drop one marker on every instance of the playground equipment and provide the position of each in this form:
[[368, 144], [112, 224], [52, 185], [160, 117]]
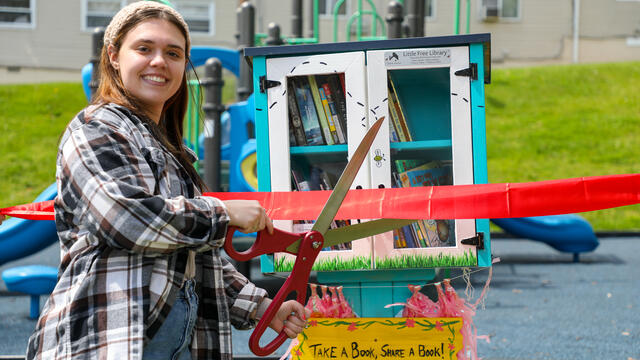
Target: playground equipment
[[239, 145], [20, 238], [567, 233], [34, 280]]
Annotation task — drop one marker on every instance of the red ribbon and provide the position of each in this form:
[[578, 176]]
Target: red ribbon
[[480, 201], [34, 211]]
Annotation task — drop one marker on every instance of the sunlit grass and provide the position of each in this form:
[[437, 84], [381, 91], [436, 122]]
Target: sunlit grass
[[418, 261], [334, 264]]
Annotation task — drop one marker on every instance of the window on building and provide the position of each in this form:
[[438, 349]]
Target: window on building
[[499, 9], [199, 14], [509, 9], [100, 12], [17, 13], [326, 7], [429, 9]]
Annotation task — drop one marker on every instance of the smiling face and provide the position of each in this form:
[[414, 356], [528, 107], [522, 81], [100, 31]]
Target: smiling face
[[151, 62]]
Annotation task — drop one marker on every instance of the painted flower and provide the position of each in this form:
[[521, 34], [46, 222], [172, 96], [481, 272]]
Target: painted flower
[[452, 347], [410, 323], [299, 353], [439, 326], [352, 327], [313, 323]]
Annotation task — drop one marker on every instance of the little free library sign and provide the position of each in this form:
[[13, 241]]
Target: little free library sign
[[379, 338]]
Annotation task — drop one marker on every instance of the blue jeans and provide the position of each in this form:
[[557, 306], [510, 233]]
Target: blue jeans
[[173, 339]]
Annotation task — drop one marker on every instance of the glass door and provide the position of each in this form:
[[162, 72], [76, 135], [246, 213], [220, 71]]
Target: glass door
[[426, 141], [316, 111]]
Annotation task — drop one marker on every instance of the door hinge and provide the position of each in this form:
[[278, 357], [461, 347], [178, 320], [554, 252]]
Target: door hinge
[[471, 71], [266, 84], [477, 241]]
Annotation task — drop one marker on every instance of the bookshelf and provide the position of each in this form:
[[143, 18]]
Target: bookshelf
[[431, 93]]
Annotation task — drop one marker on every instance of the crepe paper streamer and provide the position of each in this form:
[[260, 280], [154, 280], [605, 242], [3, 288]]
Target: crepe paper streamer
[[34, 211], [479, 201]]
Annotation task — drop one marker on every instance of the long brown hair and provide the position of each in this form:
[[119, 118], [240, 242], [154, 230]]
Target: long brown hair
[[169, 130]]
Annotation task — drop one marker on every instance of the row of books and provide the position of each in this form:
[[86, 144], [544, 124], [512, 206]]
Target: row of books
[[406, 173], [317, 110], [317, 179], [398, 127], [423, 233]]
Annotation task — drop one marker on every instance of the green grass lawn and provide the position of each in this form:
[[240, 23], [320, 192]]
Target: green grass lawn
[[542, 123], [32, 118], [566, 121]]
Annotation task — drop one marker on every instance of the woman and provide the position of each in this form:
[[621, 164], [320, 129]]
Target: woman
[[141, 275]]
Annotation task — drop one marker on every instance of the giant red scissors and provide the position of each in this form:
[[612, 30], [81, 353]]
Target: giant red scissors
[[307, 245]]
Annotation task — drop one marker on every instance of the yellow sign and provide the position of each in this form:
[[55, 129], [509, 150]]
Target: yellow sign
[[379, 338]]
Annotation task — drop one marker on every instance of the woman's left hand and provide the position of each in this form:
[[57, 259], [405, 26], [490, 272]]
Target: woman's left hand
[[291, 316]]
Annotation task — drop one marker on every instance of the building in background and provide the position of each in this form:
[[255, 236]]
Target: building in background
[[56, 34]]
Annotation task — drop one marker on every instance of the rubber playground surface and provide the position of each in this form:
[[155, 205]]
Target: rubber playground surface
[[540, 305]]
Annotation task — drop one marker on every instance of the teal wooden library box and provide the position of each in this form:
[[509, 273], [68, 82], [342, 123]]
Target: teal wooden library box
[[314, 103]]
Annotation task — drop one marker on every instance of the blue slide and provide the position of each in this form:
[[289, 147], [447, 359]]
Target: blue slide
[[567, 233], [20, 238]]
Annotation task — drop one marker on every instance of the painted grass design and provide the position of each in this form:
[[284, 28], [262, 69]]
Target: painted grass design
[[427, 261], [333, 264]]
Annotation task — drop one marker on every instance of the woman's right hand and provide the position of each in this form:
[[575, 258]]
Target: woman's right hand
[[2, 217], [248, 216]]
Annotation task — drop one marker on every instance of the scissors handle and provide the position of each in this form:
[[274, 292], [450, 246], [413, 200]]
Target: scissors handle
[[297, 281], [265, 243]]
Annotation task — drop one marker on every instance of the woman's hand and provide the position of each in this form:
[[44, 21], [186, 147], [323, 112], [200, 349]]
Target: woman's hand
[[2, 217], [248, 216], [291, 316]]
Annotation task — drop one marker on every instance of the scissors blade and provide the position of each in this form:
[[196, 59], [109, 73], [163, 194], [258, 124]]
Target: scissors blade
[[323, 222], [358, 231]]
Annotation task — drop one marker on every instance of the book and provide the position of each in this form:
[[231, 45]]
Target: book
[[319, 180], [323, 116], [406, 233], [435, 173], [423, 175], [404, 165], [393, 116], [295, 122], [308, 113], [330, 117], [393, 136], [398, 108], [338, 97], [292, 139], [408, 236], [323, 82], [298, 182], [398, 237]]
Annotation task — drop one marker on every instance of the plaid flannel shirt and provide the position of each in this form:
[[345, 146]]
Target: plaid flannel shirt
[[127, 215]]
